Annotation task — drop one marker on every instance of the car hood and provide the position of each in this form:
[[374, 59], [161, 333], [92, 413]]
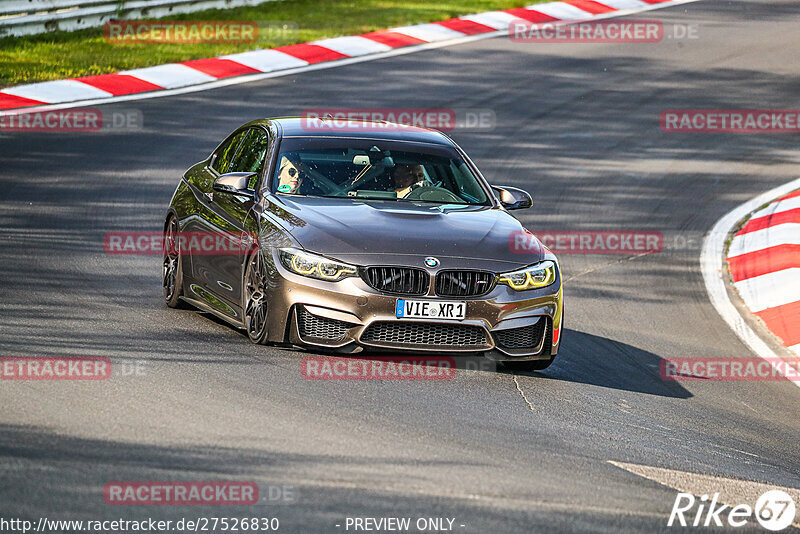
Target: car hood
[[368, 232]]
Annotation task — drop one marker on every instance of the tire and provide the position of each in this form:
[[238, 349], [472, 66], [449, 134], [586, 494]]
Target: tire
[[172, 265], [254, 299]]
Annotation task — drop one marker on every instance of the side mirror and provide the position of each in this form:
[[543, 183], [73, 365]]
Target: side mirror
[[513, 198], [235, 183]]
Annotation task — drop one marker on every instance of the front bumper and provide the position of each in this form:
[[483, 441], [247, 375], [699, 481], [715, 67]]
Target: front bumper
[[349, 316]]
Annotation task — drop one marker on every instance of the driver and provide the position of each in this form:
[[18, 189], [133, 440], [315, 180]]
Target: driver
[[406, 178], [290, 177]]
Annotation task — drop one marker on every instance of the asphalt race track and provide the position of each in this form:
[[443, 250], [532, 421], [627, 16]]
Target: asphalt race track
[[578, 127]]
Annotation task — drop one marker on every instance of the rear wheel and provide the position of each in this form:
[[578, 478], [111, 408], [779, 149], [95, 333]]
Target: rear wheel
[[172, 265], [255, 303]]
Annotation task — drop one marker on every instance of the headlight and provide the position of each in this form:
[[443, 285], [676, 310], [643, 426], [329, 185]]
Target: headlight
[[313, 266], [540, 275]]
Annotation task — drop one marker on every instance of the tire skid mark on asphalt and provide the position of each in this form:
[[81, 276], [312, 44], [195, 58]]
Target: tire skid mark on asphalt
[[605, 265], [680, 442], [674, 435]]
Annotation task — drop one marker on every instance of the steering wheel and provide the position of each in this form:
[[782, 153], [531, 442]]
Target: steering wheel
[[434, 194], [371, 173]]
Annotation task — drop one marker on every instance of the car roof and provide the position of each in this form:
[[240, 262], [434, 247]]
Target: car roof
[[320, 127]]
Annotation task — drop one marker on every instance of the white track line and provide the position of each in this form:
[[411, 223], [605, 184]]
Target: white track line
[[712, 265]]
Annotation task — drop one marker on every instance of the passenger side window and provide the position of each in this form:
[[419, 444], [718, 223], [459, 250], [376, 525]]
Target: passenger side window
[[465, 186], [226, 152], [251, 155]]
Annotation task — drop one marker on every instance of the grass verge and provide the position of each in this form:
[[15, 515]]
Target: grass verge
[[59, 55]]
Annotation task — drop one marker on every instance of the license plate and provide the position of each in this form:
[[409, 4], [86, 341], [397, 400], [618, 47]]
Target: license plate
[[430, 309]]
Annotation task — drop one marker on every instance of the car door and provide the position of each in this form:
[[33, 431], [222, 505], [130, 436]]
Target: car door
[[232, 211], [208, 220]]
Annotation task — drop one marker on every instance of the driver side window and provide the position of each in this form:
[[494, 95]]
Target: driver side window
[[251, 154], [223, 157]]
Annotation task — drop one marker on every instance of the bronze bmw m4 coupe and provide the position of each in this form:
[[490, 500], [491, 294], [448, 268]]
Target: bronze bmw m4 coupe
[[351, 235]]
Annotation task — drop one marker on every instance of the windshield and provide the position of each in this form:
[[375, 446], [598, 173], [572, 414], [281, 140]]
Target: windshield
[[375, 169]]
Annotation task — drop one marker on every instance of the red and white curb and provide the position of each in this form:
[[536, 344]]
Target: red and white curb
[[764, 262], [203, 74]]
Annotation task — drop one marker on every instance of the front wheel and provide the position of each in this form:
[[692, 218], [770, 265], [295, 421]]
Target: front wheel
[[255, 303], [172, 265]]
